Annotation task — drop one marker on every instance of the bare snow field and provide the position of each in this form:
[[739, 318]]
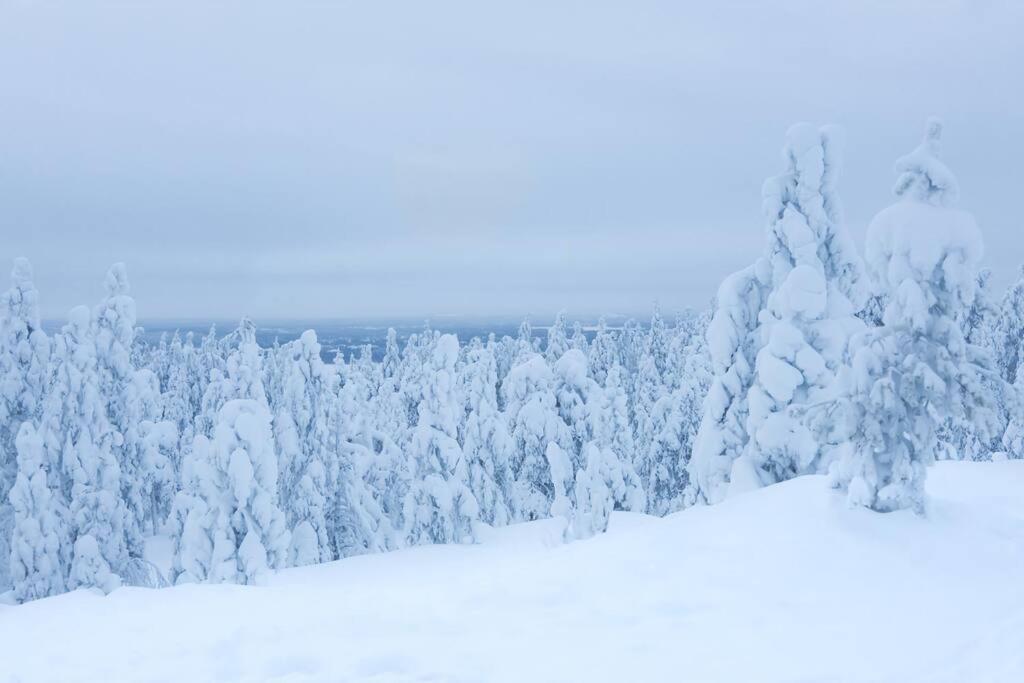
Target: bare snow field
[[784, 583]]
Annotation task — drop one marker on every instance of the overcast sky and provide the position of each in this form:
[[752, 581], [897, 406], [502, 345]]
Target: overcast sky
[[297, 160]]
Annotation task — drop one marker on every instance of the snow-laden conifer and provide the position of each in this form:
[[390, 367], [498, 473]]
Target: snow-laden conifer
[[439, 508], [916, 369]]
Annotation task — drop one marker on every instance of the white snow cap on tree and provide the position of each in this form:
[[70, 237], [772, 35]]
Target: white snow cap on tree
[[922, 176], [915, 371], [37, 565], [24, 360], [232, 530], [731, 346], [439, 508], [817, 285]]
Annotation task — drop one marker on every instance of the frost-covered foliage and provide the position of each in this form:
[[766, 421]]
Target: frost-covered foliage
[[816, 287], [249, 459], [24, 357], [535, 424], [781, 326], [80, 442], [440, 507], [37, 561], [917, 369], [486, 442], [722, 435], [308, 471], [230, 526]]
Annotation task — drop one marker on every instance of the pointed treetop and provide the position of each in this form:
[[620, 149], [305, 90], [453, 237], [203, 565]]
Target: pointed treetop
[[246, 331], [922, 176], [21, 275], [116, 281]]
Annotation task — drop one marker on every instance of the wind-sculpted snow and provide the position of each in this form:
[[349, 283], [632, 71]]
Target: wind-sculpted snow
[[781, 584]]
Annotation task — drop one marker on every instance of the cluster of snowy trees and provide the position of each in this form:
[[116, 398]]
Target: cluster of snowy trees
[[249, 459], [865, 370]]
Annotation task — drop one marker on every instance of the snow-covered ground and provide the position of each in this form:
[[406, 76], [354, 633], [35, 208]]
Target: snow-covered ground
[[780, 584]]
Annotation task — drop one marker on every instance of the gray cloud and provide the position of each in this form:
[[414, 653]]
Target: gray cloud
[[337, 159]]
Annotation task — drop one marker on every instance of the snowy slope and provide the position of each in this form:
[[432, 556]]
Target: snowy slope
[[780, 584]]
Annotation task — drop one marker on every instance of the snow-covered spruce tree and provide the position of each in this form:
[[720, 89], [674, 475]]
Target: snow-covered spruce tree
[[534, 423], [526, 343], [486, 442], [591, 495], [649, 390], [371, 475], [962, 438], [192, 522], [240, 376], [148, 473], [79, 441], [676, 419], [558, 340], [732, 347], [303, 441], [610, 434], [239, 522], [1008, 331], [916, 370], [114, 321], [781, 328], [142, 443], [180, 402], [1008, 343], [604, 352], [245, 365], [816, 288], [392, 355], [573, 391], [439, 508], [658, 342], [578, 340], [36, 560], [24, 364], [600, 469]]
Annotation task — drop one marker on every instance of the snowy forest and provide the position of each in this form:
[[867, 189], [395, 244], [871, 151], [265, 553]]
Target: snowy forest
[[862, 362]]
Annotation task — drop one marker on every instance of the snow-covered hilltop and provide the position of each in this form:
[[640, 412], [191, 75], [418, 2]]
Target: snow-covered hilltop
[[220, 461], [782, 584]]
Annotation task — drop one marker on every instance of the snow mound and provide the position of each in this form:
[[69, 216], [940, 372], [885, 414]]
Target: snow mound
[[783, 583]]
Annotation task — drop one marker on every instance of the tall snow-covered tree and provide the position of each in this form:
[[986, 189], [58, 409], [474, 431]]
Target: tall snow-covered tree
[[816, 288], [611, 435], [534, 423], [779, 334], [305, 458], [372, 474], [1009, 330], [604, 352], [38, 552], [961, 438], [232, 530], [676, 419], [578, 340], [916, 369], [732, 348], [148, 472], [24, 363], [439, 508], [558, 339], [486, 442], [80, 441]]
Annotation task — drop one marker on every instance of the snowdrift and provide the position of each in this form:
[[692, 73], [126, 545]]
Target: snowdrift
[[780, 584]]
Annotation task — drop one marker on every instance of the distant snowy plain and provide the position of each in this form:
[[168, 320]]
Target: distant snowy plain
[[783, 583]]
